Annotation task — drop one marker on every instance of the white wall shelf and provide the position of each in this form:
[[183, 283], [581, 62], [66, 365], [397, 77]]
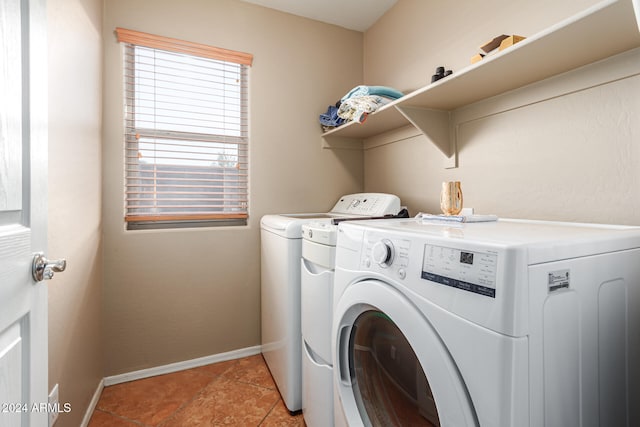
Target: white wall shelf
[[604, 30]]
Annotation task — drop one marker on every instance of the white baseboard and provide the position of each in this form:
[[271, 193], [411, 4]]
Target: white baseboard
[[181, 366], [92, 404]]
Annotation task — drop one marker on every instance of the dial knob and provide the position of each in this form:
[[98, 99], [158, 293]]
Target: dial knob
[[382, 252]]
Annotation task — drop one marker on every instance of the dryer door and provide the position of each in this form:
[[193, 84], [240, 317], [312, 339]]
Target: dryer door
[[391, 368]]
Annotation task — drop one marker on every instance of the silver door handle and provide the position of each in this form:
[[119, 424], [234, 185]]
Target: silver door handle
[[43, 268]]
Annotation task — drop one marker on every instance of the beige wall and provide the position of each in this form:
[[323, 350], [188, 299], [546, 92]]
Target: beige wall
[[563, 149], [404, 47], [75, 230], [176, 295]]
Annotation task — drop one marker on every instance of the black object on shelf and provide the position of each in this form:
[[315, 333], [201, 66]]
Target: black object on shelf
[[440, 73]]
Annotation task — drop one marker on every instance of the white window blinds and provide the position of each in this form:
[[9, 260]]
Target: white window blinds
[[186, 130]]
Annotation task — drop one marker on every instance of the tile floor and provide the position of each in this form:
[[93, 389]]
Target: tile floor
[[234, 393]]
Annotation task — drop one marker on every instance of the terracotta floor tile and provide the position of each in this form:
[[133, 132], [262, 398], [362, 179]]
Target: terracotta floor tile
[[252, 370], [237, 392], [102, 419], [217, 369], [226, 402], [280, 417], [151, 400]]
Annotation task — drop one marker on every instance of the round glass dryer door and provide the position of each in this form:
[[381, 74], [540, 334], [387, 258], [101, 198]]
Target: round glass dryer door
[[391, 365], [389, 384]]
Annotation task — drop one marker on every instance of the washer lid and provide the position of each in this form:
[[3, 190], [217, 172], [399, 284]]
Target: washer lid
[[351, 205]]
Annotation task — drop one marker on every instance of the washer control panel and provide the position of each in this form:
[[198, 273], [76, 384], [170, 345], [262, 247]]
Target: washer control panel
[[386, 255], [470, 271]]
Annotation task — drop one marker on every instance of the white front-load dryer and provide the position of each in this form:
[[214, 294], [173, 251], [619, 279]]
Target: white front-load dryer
[[497, 324]]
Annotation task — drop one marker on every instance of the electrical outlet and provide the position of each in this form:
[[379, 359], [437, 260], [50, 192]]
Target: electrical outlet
[[54, 402]]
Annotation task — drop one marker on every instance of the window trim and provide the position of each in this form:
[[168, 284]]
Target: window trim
[[181, 46], [155, 221]]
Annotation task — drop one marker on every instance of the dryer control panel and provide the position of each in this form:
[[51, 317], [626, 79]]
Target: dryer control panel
[[470, 271], [367, 204], [387, 256]]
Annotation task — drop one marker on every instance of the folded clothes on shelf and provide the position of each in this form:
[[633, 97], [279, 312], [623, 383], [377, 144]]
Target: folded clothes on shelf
[[357, 108], [363, 90], [357, 104], [330, 119]]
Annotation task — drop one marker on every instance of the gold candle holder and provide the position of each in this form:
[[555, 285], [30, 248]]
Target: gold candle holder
[[451, 198]]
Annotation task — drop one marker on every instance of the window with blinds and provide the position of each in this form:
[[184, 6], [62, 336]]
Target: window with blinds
[[186, 133]]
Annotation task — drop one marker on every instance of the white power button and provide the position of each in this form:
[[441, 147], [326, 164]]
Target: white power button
[[383, 252]]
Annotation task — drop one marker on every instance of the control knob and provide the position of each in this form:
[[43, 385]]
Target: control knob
[[383, 252]]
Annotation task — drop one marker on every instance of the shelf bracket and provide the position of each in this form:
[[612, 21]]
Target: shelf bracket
[[435, 125]]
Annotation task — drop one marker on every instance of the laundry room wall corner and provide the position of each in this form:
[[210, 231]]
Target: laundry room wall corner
[[181, 294], [74, 197]]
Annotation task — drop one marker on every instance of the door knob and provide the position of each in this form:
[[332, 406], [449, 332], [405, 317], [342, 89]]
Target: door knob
[[43, 268]]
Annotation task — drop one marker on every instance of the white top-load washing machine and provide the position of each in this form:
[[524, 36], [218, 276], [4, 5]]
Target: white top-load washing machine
[[281, 241], [503, 323]]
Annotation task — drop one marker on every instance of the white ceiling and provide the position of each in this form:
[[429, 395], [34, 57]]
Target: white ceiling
[[352, 14]]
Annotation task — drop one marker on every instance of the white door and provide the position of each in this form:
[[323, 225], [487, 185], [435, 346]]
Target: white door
[[23, 174]]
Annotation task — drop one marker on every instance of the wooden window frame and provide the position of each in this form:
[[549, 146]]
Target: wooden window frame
[[138, 220]]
